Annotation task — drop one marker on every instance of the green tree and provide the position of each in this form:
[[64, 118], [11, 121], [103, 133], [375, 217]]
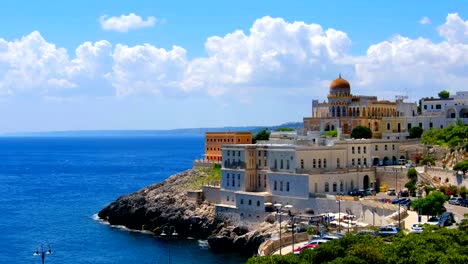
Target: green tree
[[415, 132], [331, 133], [444, 94], [411, 188], [284, 129], [461, 166], [361, 132], [262, 135], [463, 192], [431, 204], [412, 174], [428, 160]]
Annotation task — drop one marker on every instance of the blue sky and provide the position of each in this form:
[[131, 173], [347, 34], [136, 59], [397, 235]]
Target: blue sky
[[81, 65]]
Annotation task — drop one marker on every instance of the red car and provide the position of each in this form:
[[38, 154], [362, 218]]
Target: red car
[[312, 244]]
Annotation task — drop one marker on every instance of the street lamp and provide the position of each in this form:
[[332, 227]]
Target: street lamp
[[373, 216], [278, 207], [289, 207], [43, 252], [339, 215], [169, 232]]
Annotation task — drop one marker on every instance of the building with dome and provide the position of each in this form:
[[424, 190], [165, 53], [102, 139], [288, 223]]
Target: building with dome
[[346, 111], [386, 119]]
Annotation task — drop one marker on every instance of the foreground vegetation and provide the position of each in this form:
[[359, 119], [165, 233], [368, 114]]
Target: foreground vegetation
[[434, 245]]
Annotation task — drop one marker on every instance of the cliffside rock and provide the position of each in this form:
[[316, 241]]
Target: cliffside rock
[[165, 205]]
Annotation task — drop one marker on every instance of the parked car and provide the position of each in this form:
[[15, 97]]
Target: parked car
[[447, 219], [386, 231], [329, 237], [433, 221], [455, 201], [464, 203], [367, 232], [356, 192], [417, 229], [391, 192], [404, 193], [311, 245], [370, 191]]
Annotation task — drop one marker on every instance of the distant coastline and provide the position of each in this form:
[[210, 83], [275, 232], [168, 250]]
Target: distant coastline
[[146, 133]]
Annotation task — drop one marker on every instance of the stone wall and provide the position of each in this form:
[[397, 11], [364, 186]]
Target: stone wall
[[391, 176]]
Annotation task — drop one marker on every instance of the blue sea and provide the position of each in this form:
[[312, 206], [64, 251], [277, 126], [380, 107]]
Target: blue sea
[[52, 188]]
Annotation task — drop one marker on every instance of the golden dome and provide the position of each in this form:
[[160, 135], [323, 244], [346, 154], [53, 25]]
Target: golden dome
[[340, 83]]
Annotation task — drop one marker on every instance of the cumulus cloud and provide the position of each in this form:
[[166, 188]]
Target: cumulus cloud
[[124, 23], [425, 21], [455, 29], [273, 56]]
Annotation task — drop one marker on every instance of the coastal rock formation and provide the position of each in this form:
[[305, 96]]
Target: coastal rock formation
[[165, 205]]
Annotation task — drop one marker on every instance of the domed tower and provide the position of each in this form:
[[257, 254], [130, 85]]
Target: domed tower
[[339, 97]]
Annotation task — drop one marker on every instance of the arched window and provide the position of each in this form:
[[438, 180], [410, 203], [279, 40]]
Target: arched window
[[250, 202], [319, 163], [314, 165], [327, 187]]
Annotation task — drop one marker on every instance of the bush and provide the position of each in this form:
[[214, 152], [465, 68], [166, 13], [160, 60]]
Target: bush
[[361, 132]]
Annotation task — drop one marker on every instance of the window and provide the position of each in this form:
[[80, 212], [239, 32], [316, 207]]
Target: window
[[227, 198], [259, 184], [302, 164], [238, 180], [334, 187], [364, 150], [264, 163], [376, 147], [359, 150], [258, 203], [388, 126], [438, 106], [352, 150], [287, 164], [341, 187], [352, 162], [287, 186], [242, 201], [250, 202], [274, 186], [420, 125], [425, 107], [281, 164], [324, 163], [264, 153], [338, 162], [259, 153], [227, 181], [281, 186], [409, 126], [319, 163], [238, 153], [313, 163], [233, 181], [365, 161], [359, 162], [264, 181], [393, 146], [430, 125], [327, 187], [385, 146]]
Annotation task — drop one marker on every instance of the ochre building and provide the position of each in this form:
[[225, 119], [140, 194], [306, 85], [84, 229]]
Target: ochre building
[[346, 111], [215, 140]]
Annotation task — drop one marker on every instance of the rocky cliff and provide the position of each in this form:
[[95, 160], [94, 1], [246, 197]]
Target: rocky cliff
[[166, 204]]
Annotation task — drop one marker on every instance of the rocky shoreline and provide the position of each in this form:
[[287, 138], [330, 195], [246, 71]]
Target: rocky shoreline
[[166, 204]]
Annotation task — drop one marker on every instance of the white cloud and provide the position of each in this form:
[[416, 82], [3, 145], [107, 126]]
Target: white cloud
[[455, 29], [289, 59], [125, 23], [425, 21]]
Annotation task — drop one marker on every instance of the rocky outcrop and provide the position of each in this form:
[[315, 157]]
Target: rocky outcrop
[[164, 205]]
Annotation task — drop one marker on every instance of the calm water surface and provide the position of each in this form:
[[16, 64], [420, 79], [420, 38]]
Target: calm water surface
[[50, 188]]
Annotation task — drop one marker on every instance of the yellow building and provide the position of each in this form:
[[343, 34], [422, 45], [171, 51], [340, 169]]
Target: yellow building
[[214, 141], [346, 111]]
